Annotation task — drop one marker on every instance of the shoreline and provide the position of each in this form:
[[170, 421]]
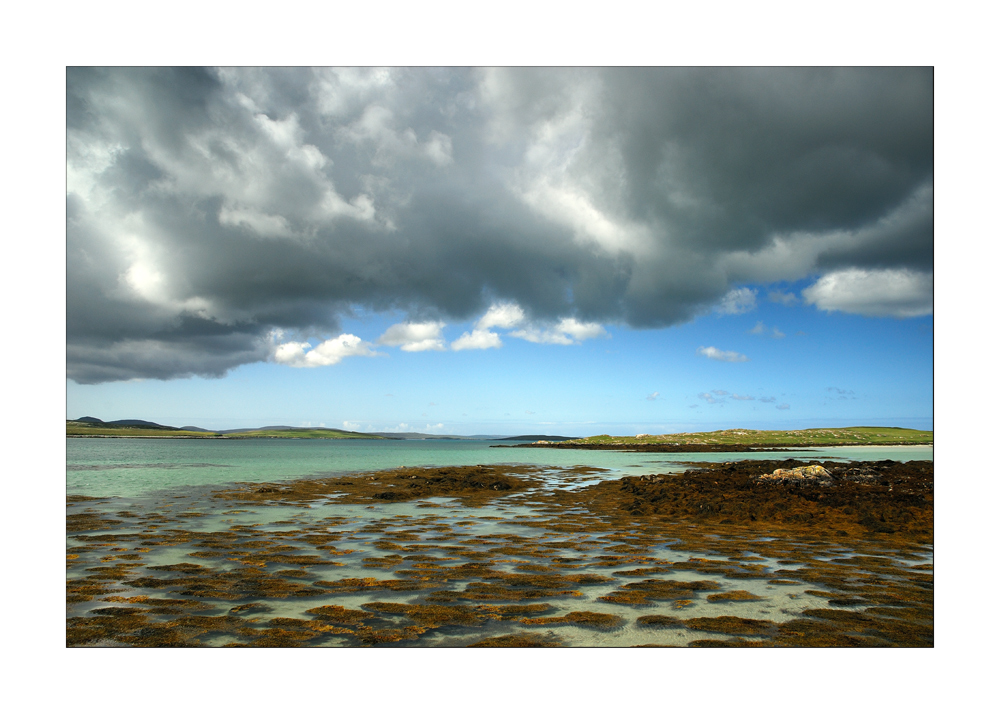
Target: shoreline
[[723, 555], [702, 448]]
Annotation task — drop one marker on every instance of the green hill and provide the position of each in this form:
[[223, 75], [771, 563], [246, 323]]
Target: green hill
[[135, 428], [849, 436]]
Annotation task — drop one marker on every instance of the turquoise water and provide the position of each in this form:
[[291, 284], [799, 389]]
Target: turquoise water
[[135, 467], [157, 508]]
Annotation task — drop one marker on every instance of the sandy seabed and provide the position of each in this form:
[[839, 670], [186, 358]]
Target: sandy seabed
[[512, 555]]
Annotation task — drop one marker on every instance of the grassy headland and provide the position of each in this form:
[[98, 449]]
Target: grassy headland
[[82, 428], [750, 439]]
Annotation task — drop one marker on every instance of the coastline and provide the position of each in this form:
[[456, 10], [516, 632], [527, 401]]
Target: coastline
[[702, 448]]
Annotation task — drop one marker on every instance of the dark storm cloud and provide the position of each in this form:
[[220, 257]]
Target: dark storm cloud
[[209, 209]]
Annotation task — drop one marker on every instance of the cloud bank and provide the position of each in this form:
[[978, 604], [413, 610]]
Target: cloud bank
[[207, 208]]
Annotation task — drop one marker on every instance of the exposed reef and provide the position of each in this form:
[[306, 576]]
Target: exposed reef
[[472, 484], [750, 553]]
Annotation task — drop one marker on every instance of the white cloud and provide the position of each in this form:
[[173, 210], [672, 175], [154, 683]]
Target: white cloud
[[874, 293], [709, 398], [783, 406], [653, 397], [414, 336], [302, 354], [477, 340], [503, 315], [567, 332], [352, 426], [742, 397], [722, 355], [580, 330], [737, 301], [507, 315]]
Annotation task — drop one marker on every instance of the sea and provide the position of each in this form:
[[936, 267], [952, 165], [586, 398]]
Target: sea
[[156, 557], [116, 467]]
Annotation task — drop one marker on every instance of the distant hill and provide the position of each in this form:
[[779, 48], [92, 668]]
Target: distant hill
[[88, 425], [92, 426], [415, 435], [296, 432], [132, 422]]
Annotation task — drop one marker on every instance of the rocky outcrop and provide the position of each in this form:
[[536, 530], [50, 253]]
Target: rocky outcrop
[[812, 475]]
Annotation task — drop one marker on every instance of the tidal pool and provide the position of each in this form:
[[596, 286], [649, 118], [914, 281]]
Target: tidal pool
[[542, 564]]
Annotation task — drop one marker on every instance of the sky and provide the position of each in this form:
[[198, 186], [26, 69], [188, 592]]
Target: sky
[[501, 251]]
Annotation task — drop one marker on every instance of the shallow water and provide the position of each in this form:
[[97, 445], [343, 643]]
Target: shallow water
[[156, 557], [131, 467], [215, 539]]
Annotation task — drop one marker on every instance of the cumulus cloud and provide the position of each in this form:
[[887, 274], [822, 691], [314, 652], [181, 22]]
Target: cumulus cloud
[[737, 301], [768, 400], [477, 340], [653, 397], [567, 331], [722, 355], [503, 315], [783, 406], [742, 397], [874, 293], [208, 207], [332, 351], [710, 398], [414, 336]]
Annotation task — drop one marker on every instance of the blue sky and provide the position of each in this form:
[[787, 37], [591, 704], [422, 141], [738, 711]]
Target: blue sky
[[820, 369], [501, 251]]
